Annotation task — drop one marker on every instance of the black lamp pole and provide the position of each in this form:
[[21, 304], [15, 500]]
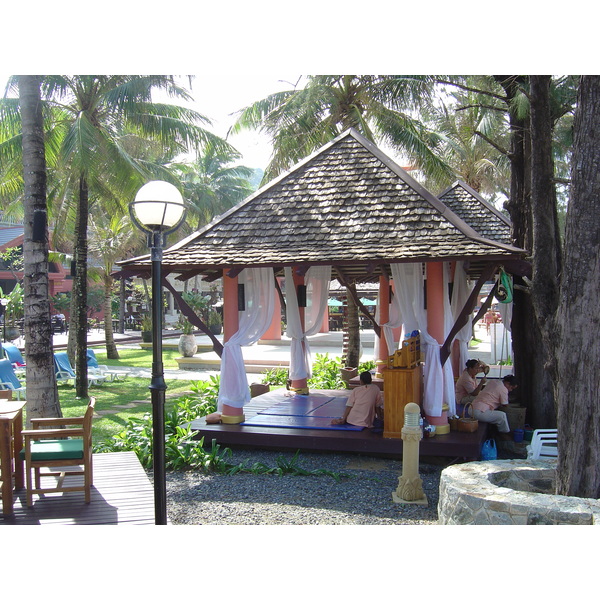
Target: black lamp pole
[[157, 230], [157, 383]]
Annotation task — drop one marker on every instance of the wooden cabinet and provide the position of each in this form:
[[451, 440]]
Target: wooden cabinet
[[401, 386]]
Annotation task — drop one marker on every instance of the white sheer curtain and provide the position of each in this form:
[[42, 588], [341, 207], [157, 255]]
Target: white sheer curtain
[[460, 294], [409, 287], [259, 292], [394, 320], [317, 291]]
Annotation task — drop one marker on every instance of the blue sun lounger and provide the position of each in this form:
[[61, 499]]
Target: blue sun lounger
[[65, 372], [9, 380]]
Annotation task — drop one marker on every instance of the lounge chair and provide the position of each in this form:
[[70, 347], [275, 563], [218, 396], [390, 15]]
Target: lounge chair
[[65, 372], [97, 369], [9, 380], [544, 444], [14, 355]]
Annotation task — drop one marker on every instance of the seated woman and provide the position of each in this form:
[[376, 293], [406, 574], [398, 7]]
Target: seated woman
[[467, 388], [494, 394], [363, 405]]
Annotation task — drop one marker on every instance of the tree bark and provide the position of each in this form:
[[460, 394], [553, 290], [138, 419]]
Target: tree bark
[[578, 318], [353, 355], [42, 393], [547, 253], [80, 290], [111, 346], [535, 391]]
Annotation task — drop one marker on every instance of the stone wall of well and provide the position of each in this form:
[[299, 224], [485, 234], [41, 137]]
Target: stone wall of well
[[509, 492]]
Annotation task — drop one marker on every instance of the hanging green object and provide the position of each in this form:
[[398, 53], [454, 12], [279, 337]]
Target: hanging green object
[[504, 293]]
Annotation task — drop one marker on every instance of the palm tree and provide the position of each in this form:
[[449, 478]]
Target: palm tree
[[469, 123], [101, 129], [212, 184], [110, 238], [42, 393], [382, 108]]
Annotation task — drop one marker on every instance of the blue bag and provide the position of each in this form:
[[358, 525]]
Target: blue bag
[[489, 451]]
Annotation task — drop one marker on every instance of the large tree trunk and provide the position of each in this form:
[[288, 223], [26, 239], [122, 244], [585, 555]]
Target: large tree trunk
[[42, 393], [80, 291], [547, 254], [578, 316], [535, 390]]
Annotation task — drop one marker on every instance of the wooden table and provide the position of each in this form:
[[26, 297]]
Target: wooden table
[[11, 443]]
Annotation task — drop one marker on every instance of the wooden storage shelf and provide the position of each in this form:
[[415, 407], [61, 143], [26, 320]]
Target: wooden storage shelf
[[401, 386]]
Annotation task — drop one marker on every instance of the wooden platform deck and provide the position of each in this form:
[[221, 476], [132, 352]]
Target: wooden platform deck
[[453, 445], [122, 495]]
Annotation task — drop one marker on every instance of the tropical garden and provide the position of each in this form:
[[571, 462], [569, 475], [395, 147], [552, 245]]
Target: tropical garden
[[76, 149]]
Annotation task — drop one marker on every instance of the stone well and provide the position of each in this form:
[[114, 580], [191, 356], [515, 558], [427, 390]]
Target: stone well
[[509, 492]]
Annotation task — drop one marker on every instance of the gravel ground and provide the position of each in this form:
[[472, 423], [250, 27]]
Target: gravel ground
[[361, 496]]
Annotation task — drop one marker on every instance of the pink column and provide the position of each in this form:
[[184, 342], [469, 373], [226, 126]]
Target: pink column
[[231, 414], [384, 317], [435, 320], [274, 331]]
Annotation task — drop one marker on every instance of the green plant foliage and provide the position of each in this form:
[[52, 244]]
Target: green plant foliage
[[326, 373], [276, 377], [368, 365]]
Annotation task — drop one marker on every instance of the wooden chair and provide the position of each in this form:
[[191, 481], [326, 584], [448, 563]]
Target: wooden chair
[[59, 448]]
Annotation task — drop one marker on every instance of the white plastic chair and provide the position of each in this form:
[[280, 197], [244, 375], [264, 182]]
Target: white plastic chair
[[544, 444]]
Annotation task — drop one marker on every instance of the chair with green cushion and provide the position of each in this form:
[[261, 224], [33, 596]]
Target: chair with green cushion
[[67, 444]]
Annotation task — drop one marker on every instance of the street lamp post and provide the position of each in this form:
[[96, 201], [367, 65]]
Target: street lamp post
[[158, 209]]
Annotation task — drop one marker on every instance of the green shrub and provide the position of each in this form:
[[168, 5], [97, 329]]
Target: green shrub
[[326, 373], [276, 377]]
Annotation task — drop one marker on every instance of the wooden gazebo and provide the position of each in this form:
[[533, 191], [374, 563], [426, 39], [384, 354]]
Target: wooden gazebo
[[350, 206]]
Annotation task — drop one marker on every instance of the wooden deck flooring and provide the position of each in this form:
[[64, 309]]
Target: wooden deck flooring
[[122, 494], [453, 445]]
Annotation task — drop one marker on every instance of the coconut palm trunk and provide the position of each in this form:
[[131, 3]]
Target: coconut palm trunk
[[42, 393], [111, 346], [79, 314]]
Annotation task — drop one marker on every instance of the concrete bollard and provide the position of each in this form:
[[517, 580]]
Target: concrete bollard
[[410, 485]]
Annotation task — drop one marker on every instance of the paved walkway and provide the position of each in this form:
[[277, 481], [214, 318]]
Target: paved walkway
[[330, 343]]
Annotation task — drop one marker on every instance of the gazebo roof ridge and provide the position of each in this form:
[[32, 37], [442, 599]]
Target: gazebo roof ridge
[[346, 204], [261, 190], [478, 197]]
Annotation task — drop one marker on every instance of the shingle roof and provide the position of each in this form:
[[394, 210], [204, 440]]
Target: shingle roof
[[348, 205], [482, 216]]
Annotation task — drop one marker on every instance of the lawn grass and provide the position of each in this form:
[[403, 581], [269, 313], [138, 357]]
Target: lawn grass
[[137, 357], [127, 398]]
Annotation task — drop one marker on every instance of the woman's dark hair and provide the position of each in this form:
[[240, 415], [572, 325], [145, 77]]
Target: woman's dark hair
[[472, 363], [511, 379], [366, 378]]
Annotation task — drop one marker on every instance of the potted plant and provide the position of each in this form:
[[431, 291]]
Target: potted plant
[[13, 311], [187, 340], [147, 329], [214, 322]]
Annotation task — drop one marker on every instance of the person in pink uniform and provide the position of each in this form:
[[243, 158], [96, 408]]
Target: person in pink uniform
[[494, 394], [467, 387], [363, 405]]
